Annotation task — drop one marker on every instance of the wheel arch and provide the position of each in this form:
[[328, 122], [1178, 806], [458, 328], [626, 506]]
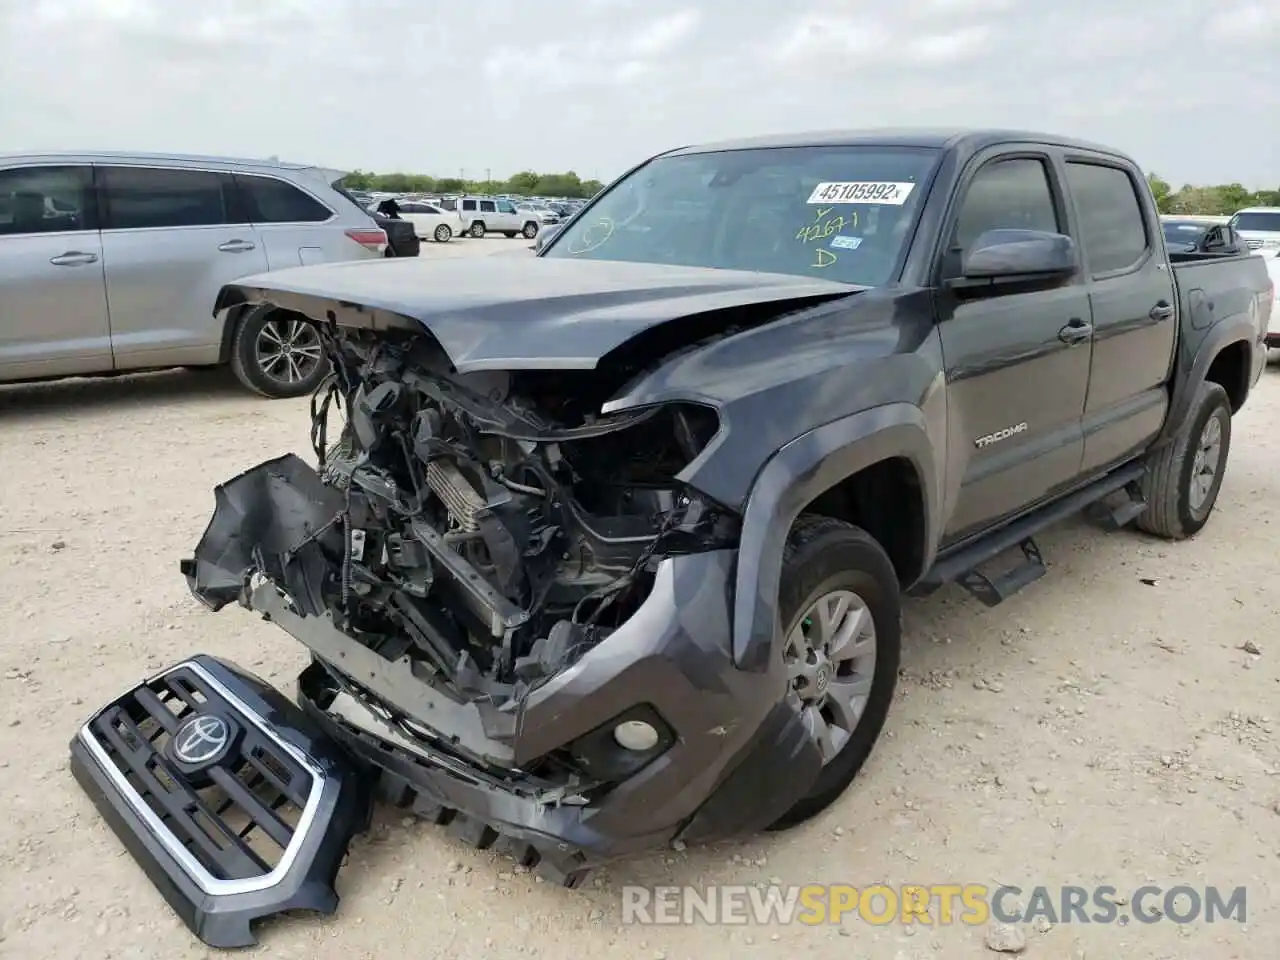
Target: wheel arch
[[1225, 356], [839, 469]]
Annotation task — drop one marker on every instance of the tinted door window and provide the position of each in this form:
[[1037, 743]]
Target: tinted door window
[[449, 205], [1007, 194], [505, 206], [274, 201], [159, 197], [45, 200], [488, 206], [468, 204], [1112, 228]]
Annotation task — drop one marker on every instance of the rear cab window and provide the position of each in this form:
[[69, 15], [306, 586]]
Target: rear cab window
[[52, 199], [151, 197], [1112, 227], [841, 213], [273, 201]]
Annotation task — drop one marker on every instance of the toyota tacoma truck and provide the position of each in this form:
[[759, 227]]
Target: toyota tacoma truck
[[607, 547]]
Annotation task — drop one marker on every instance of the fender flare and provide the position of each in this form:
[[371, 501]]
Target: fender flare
[[1219, 337], [792, 478]]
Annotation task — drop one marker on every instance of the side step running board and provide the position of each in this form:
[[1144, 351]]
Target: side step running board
[[961, 566]]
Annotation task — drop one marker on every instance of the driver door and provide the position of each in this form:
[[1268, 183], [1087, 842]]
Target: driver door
[[1017, 385]]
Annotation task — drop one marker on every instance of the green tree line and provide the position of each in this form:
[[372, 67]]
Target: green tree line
[[528, 183], [1224, 199]]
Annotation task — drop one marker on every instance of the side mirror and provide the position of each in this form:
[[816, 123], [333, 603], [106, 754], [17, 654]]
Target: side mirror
[[1219, 238], [545, 236], [1019, 254]]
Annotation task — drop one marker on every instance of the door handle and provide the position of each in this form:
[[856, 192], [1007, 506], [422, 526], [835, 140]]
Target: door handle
[[73, 258], [1077, 331], [1161, 311], [236, 246]]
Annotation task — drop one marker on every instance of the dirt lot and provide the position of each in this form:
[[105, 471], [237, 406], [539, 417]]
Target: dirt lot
[[1104, 727]]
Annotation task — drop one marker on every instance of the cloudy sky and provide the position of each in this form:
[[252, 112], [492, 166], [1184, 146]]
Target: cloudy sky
[[1189, 87]]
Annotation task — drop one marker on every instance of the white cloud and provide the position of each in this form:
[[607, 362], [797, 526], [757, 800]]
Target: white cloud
[[663, 35], [596, 85], [949, 47], [816, 36]]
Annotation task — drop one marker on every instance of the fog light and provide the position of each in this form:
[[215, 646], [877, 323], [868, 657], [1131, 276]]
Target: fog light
[[636, 735]]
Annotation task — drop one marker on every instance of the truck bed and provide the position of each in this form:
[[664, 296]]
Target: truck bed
[[1214, 286]]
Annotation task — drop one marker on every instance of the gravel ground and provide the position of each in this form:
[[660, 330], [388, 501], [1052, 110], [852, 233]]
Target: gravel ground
[[1114, 724]]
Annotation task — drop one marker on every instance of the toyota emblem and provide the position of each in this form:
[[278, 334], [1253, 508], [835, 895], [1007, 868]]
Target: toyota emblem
[[201, 739]]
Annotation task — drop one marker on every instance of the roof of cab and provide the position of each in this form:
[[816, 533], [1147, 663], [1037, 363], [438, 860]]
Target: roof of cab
[[965, 139]]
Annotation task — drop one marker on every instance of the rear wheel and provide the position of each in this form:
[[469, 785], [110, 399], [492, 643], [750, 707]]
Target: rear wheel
[[277, 353], [443, 234], [841, 611], [477, 229], [530, 230], [1183, 480]]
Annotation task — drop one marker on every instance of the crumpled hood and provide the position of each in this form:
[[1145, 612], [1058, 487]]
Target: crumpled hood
[[514, 313]]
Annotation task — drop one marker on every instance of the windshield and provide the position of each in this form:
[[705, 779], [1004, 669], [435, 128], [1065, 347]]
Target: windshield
[[838, 213], [1262, 221]]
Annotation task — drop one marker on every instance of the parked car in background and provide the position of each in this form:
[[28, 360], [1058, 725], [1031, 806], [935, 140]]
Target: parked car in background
[[483, 215], [1259, 226], [431, 222], [402, 236], [546, 216], [1200, 235], [111, 262], [1273, 268]]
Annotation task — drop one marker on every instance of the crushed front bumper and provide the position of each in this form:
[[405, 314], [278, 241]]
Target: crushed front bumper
[[234, 803]]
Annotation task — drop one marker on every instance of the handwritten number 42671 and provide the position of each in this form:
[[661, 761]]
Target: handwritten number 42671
[[824, 226]]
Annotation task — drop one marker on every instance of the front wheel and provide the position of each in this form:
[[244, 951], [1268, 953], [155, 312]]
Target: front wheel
[[840, 605], [1183, 480], [443, 234], [530, 230], [278, 354], [477, 230]]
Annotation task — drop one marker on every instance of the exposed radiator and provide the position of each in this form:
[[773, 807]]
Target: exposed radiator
[[456, 493]]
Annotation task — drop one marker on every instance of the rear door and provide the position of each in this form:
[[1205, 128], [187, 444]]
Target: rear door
[[53, 297], [171, 238], [294, 227], [1133, 300], [1016, 382]]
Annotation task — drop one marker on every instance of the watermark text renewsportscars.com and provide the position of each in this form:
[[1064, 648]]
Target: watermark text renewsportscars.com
[[941, 904]]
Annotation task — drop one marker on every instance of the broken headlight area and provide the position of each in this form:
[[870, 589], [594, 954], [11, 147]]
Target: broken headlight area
[[488, 527]]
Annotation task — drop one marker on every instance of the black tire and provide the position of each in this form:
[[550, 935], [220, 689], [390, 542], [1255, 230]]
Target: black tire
[[822, 555], [443, 233], [1166, 486], [477, 230], [247, 362], [530, 230]]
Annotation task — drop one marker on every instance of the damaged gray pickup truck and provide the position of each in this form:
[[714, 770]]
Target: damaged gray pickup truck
[[602, 549]]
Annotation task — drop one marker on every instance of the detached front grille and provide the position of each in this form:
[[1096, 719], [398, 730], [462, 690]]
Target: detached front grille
[[234, 812]]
